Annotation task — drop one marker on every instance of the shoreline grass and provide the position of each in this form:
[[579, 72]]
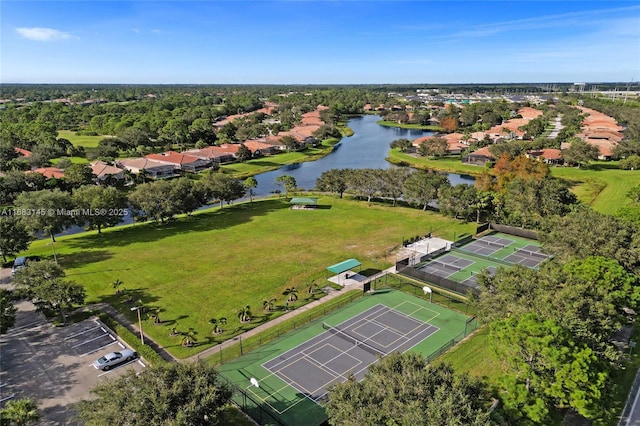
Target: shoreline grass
[[410, 126]]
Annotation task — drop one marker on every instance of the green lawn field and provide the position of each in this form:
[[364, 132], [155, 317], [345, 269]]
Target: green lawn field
[[76, 140], [213, 263]]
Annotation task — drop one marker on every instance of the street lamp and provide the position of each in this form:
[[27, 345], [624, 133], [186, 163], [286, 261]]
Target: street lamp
[[138, 308]]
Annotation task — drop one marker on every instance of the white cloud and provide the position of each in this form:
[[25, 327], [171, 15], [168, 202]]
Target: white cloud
[[43, 34]]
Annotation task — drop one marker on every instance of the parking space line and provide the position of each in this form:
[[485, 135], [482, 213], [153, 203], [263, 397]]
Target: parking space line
[[103, 346], [7, 397], [23, 328], [82, 332], [113, 369], [91, 340]]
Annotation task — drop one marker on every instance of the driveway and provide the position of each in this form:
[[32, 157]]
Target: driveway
[[53, 365]]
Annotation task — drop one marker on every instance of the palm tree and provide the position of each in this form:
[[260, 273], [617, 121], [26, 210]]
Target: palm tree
[[268, 304], [217, 329], [116, 285], [20, 411], [244, 314], [174, 330], [155, 314], [188, 337], [311, 287], [291, 293]]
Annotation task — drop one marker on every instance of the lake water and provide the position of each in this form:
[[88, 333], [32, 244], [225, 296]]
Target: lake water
[[366, 149]]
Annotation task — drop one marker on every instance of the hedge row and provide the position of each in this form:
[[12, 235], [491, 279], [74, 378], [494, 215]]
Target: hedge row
[[132, 340]]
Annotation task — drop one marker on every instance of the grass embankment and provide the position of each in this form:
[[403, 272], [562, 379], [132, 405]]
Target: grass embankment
[[214, 263], [603, 185], [410, 126], [446, 164]]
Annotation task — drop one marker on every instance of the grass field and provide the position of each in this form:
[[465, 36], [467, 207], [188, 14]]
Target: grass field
[[213, 263], [603, 185], [74, 160], [76, 140], [294, 408]]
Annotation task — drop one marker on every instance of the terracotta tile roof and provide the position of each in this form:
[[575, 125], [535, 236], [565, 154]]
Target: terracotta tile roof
[[231, 148], [50, 172], [210, 152], [255, 145], [102, 169], [142, 163], [529, 113], [173, 158], [484, 151], [547, 153], [23, 152]]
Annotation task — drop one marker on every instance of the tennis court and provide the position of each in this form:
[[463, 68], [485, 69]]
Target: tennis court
[[294, 373], [487, 245], [446, 265], [530, 256], [347, 349]]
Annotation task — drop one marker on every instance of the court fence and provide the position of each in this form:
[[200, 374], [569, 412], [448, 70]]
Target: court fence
[[236, 347], [403, 268], [251, 407], [514, 230], [443, 299]]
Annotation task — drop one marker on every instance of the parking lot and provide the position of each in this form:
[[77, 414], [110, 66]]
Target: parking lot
[[53, 365]]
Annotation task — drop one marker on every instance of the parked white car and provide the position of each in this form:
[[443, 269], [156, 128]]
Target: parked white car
[[114, 358]]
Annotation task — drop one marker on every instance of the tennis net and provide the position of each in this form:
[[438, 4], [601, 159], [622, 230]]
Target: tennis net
[[489, 243], [445, 265], [367, 347], [530, 253]]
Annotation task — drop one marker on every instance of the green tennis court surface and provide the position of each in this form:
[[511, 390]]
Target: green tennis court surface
[[294, 373]]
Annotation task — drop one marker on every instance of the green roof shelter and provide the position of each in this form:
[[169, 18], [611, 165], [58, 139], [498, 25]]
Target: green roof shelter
[[304, 203], [343, 266]]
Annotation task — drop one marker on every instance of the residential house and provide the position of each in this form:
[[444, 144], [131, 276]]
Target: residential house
[[182, 161], [259, 148], [50, 172], [479, 157], [549, 156], [215, 154], [155, 169], [104, 171], [23, 152]]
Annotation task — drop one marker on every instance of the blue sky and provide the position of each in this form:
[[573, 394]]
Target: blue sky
[[318, 42]]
